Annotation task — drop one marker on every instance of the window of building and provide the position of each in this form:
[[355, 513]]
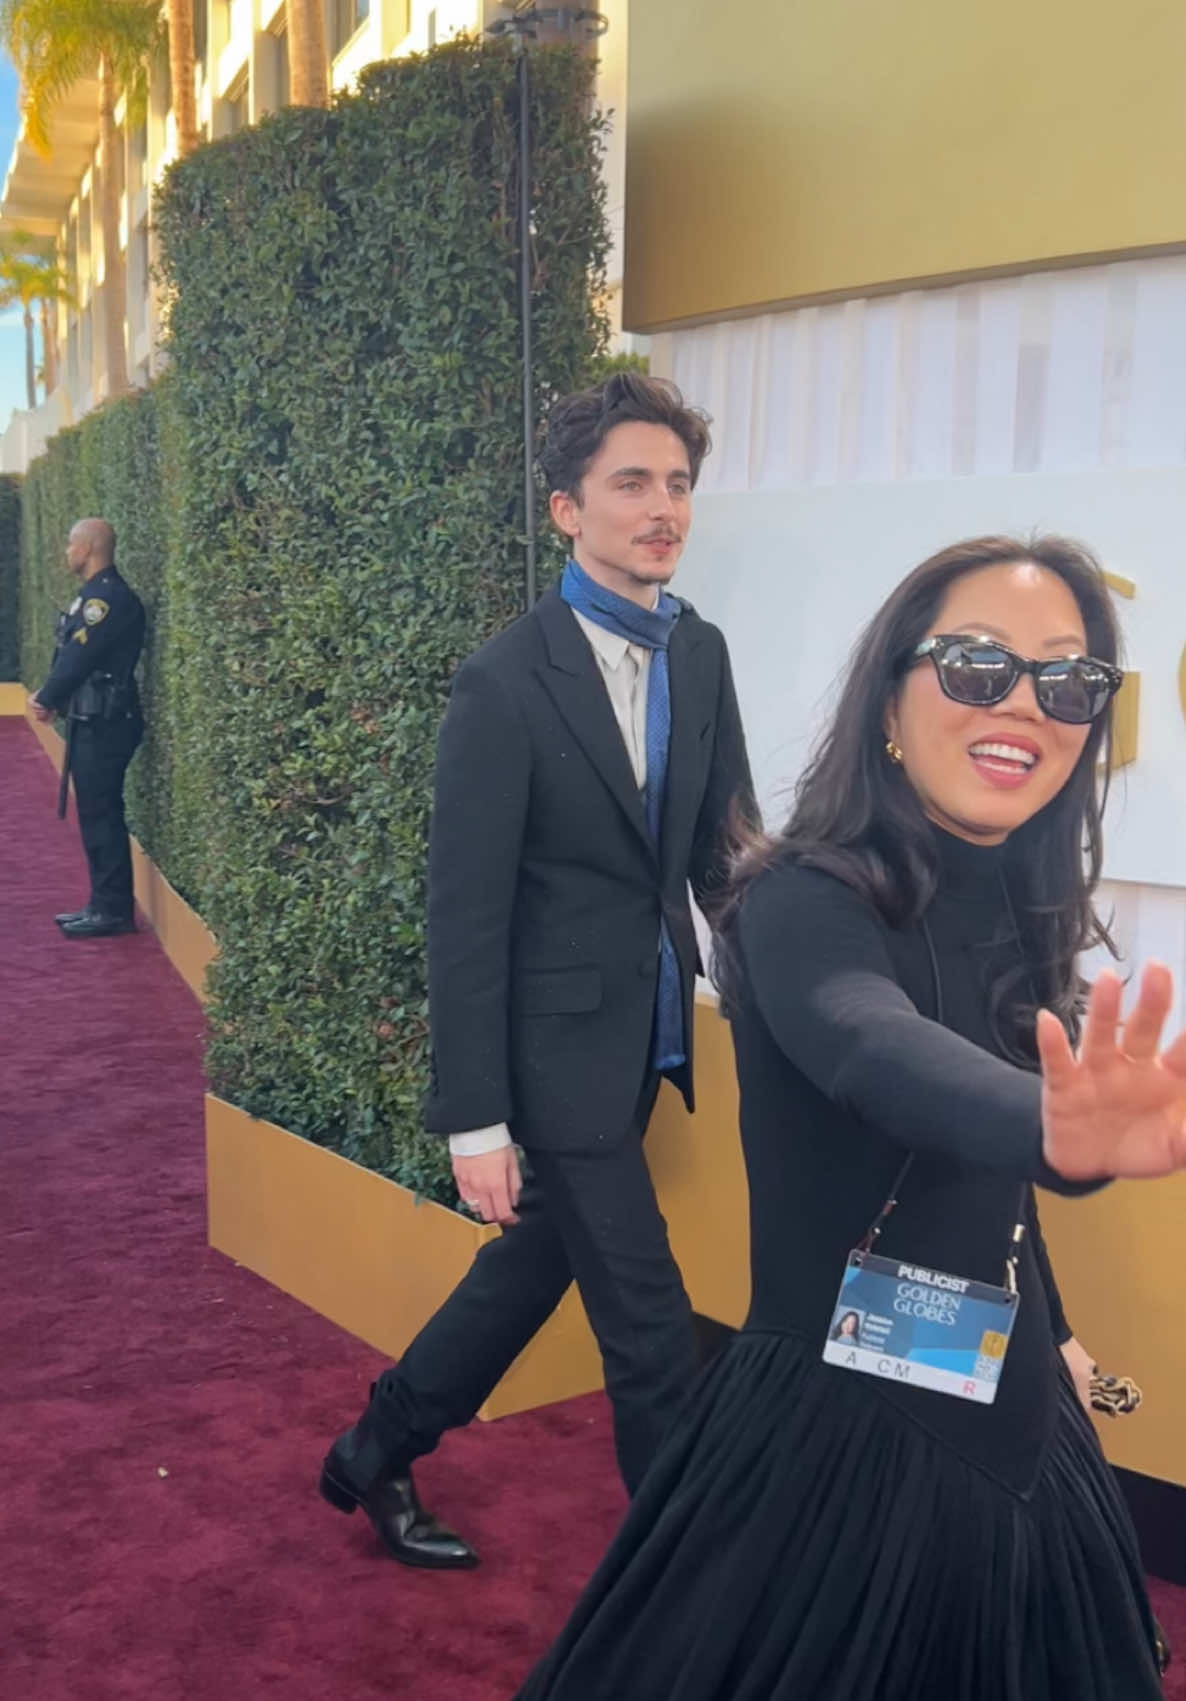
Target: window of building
[[137, 158], [84, 239], [119, 163], [201, 31], [283, 70], [343, 18], [72, 355], [236, 110], [137, 286]]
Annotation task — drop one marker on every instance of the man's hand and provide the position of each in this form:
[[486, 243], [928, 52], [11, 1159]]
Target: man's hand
[[38, 710], [490, 1185], [1082, 1368]]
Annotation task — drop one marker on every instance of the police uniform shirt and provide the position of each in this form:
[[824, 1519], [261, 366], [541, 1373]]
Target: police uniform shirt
[[102, 632]]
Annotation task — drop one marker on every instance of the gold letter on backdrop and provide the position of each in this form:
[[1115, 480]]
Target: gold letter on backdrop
[[1126, 710]]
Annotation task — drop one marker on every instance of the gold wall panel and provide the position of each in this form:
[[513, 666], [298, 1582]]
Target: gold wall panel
[[1116, 1258], [385, 1261], [184, 937], [786, 150]]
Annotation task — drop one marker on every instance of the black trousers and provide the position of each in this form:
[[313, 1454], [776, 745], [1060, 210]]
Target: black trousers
[[99, 761], [591, 1217]]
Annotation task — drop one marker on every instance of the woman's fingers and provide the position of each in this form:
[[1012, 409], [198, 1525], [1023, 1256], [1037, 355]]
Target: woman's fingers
[[1142, 1031], [1054, 1050], [1173, 1058], [1099, 1026]]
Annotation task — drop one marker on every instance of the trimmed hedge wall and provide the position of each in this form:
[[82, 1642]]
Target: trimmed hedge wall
[[320, 506], [345, 342], [10, 576]]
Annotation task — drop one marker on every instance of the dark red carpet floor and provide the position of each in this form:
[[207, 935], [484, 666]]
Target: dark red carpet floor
[[163, 1412]]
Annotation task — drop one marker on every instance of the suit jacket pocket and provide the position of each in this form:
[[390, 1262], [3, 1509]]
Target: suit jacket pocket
[[559, 992]]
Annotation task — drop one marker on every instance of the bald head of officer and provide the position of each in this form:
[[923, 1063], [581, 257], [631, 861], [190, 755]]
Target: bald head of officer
[[90, 548]]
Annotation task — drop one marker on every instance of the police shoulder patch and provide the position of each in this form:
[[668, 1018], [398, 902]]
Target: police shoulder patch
[[94, 609]]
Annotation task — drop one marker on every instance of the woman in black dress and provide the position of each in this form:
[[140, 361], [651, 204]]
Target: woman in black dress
[[831, 1531]]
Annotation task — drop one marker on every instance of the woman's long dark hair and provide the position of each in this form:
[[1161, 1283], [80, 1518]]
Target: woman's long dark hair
[[856, 817]]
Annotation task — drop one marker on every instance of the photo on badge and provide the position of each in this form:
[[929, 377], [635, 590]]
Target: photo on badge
[[846, 1326]]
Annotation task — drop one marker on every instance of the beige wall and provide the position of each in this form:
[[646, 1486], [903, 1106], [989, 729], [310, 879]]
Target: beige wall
[[794, 149]]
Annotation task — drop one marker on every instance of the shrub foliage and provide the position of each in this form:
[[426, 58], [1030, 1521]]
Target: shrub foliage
[[10, 576], [322, 507]]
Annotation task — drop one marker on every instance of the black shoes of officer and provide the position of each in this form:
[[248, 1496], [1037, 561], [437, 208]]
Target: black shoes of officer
[[356, 1473], [91, 924], [71, 915]]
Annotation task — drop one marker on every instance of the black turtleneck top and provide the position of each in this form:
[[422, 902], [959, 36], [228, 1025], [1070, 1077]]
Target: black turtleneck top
[[844, 1070]]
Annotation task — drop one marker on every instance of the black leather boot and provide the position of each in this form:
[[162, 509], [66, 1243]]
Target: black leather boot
[[71, 915], [358, 1472]]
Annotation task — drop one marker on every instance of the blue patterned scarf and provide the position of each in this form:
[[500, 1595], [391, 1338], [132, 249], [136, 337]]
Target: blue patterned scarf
[[652, 628]]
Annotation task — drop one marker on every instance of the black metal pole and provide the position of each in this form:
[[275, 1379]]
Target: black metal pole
[[524, 25], [529, 528]]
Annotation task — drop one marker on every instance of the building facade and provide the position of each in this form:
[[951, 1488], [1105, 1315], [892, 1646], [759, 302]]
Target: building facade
[[242, 73]]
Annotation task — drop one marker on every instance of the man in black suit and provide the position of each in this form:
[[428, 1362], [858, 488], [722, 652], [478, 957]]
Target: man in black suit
[[587, 766]]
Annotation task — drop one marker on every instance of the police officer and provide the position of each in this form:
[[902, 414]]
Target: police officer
[[93, 681]]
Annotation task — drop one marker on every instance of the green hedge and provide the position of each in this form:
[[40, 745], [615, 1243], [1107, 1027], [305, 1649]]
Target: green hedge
[[341, 454], [10, 576]]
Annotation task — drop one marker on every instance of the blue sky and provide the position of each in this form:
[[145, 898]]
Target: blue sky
[[12, 335]]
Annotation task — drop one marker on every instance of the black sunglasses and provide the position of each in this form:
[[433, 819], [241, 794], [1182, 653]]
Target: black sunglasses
[[979, 671]]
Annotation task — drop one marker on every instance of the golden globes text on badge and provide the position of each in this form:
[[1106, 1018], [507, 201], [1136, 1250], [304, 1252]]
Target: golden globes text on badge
[[937, 1300]]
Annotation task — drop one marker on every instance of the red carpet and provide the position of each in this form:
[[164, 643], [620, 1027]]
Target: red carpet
[[163, 1413]]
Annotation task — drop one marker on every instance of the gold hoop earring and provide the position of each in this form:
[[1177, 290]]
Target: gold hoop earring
[[894, 752]]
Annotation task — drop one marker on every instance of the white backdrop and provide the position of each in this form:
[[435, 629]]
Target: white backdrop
[[790, 576], [1051, 372], [854, 440]]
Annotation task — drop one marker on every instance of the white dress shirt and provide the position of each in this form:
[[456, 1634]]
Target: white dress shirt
[[626, 670]]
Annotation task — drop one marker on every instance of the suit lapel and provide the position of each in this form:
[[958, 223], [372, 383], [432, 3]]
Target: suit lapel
[[574, 683], [681, 799]]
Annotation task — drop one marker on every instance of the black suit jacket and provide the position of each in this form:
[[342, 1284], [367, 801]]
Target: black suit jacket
[[545, 891]]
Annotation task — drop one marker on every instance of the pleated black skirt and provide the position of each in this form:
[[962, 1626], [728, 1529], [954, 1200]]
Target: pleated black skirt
[[799, 1538]]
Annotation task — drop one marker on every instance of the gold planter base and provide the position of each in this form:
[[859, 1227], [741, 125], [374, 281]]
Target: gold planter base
[[367, 1254]]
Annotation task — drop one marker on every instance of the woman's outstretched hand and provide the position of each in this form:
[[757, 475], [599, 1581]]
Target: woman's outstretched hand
[[1119, 1107]]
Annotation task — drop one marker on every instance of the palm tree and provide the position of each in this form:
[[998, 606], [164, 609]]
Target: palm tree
[[308, 53], [31, 277], [49, 347], [55, 43], [181, 72]]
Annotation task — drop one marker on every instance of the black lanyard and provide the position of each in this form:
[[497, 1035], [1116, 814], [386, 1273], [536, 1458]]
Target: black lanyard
[[1017, 1233]]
